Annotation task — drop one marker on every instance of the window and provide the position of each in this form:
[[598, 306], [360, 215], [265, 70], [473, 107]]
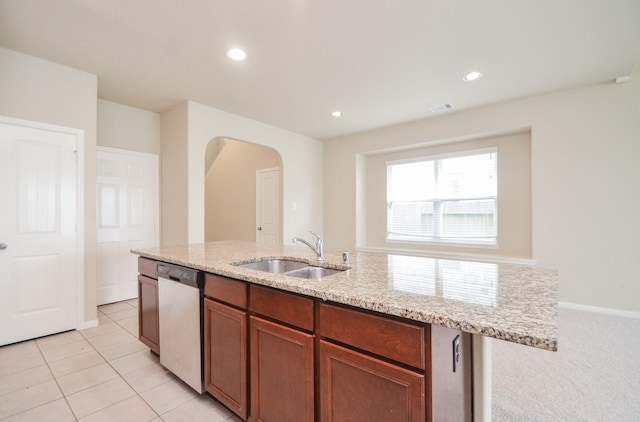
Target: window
[[443, 199]]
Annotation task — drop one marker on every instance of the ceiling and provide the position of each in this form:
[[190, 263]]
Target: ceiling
[[381, 62]]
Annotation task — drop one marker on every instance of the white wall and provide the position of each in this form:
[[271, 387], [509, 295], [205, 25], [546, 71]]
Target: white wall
[[128, 128], [301, 170], [41, 91], [585, 152]]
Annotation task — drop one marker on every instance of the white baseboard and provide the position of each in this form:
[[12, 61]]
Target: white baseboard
[[83, 325], [598, 309]]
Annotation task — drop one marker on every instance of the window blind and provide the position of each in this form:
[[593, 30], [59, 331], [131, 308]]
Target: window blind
[[447, 199]]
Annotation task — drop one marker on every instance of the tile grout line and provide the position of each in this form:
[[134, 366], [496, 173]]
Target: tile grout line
[[122, 378], [156, 415], [64, 396], [140, 395]]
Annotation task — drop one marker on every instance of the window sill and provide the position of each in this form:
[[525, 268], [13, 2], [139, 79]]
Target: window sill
[[451, 255], [492, 244]]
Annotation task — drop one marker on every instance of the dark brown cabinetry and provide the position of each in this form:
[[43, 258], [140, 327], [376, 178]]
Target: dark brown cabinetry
[[225, 342], [276, 356], [357, 383], [357, 387], [148, 328], [376, 367], [282, 356]]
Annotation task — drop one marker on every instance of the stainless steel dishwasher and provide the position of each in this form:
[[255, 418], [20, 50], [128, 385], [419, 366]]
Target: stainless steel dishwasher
[[180, 321]]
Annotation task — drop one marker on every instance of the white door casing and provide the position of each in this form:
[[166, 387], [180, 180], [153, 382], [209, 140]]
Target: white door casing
[[40, 215], [268, 206], [127, 218]]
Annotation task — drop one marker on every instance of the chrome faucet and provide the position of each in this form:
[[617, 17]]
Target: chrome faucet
[[317, 249]]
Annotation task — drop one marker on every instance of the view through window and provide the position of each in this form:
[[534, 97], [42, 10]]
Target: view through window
[[447, 199]]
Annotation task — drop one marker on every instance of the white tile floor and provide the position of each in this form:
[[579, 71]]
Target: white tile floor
[[99, 374]]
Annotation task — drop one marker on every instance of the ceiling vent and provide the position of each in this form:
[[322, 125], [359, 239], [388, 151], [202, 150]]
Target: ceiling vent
[[441, 107]]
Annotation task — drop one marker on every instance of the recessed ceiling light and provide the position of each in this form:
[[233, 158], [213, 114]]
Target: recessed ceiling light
[[337, 113], [472, 76], [236, 54]]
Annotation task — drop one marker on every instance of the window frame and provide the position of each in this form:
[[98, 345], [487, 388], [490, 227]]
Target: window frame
[[437, 203]]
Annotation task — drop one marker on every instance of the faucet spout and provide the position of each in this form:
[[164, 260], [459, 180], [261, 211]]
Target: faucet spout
[[318, 249]]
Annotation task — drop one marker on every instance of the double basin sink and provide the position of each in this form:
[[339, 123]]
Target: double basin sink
[[290, 268]]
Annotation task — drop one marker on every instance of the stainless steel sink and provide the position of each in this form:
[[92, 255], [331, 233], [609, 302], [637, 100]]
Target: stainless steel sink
[[275, 266], [290, 268], [312, 272]]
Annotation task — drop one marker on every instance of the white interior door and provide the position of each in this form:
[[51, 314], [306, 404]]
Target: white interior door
[[268, 206], [38, 239], [127, 218]]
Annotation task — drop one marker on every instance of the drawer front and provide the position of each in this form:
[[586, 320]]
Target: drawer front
[[396, 340], [228, 290], [148, 267], [282, 306]]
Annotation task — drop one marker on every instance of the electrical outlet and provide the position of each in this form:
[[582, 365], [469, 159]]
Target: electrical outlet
[[457, 351]]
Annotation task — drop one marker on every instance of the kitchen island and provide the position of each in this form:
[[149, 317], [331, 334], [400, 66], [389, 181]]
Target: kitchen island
[[434, 304]]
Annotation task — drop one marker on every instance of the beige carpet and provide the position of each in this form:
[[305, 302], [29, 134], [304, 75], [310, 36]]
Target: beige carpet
[[594, 376]]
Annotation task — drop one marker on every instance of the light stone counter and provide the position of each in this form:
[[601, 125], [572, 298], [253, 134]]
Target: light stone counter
[[508, 302]]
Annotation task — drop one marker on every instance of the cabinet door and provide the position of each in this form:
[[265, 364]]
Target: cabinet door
[[225, 355], [359, 388], [282, 383], [148, 328]]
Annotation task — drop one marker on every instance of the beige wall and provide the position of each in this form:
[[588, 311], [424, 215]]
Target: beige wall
[[585, 154], [197, 124], [128, 128], [41, 91], [230, 191], [514, 195], [174, 165]]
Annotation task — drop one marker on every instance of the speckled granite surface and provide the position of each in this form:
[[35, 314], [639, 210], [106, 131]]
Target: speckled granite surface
[[507, 302]]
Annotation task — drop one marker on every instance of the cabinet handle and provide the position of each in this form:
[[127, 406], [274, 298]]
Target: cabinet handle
[[259, 229], [3, 246]]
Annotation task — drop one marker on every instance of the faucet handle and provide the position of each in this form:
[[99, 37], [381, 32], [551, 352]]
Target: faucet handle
[[319, 240], [319, 245]]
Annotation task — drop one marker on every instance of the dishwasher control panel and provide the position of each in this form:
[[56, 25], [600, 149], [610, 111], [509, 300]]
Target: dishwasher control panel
[[181, 274]]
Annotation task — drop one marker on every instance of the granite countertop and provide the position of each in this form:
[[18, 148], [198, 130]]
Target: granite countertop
[[508, 302]]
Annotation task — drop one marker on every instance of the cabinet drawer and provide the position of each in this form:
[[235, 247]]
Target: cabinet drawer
[[233, 292], [286, 307], [396, 340], [148, 267]]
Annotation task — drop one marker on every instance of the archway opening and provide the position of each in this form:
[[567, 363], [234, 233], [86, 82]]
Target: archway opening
[[235, 199]]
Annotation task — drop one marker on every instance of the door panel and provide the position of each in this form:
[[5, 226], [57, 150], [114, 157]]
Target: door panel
[[127, 218], [360, 388], [281, 366], [38, 281], [268, 206]]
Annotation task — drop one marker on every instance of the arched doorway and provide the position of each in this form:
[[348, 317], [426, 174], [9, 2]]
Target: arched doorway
[[231, 188]]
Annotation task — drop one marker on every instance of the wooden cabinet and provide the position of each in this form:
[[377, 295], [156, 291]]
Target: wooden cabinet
[[148, 327], [225, 342], [276, 356], [357, 387], [376, 367], [396, 340], [369, 380], [282, 356]]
